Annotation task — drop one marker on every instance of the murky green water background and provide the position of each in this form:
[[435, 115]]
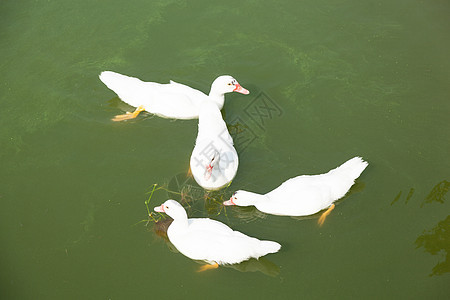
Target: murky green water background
[[343, 79]]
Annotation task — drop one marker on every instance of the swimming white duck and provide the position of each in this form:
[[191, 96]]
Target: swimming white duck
[[211, 241], [306, 194], [214, 161], [171, 100]]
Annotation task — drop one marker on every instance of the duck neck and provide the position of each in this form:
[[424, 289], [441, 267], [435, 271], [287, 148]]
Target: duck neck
[[178, 226], [261, 202], [180, 219], [255, 198], [259, 197], [217, 98], [210, 120]]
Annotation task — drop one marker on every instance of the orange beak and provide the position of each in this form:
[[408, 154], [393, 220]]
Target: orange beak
[[159, 208], [240, 89], [229, 202]]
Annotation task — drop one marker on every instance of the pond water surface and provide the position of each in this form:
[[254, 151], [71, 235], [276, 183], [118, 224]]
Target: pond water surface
[[328, 81]]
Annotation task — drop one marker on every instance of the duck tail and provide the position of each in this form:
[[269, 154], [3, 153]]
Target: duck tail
[[128, 88], [112, 79], [352, 168], [269, 247]]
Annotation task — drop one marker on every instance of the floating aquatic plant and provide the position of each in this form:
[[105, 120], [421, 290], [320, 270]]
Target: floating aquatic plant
[[183, 189]]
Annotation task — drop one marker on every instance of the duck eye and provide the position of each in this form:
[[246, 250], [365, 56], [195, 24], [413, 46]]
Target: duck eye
[[230, 84]]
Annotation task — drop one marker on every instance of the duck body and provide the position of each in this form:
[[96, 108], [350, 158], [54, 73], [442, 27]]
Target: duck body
[[171, 100], [306, 194], [214, 160], [211, 241]]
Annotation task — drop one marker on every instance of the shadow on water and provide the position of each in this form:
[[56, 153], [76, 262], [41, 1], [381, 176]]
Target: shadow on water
[[437, 194], [437, 240], [408, 197], [262, 265]]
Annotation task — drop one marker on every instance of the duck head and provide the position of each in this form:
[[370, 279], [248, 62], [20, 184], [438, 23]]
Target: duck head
[[242, 198], [227, 84], [173, 209]]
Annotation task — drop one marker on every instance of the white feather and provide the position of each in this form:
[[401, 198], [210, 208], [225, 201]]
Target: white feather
[[306, 194], [212, 241], [213, 138], [171, 100]]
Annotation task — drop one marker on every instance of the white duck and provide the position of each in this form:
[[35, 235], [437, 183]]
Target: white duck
[[306, 194], [211, 241], [214, 161], [171, 100]]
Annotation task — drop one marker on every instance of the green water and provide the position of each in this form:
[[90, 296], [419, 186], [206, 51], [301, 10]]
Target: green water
[[344, 78]]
